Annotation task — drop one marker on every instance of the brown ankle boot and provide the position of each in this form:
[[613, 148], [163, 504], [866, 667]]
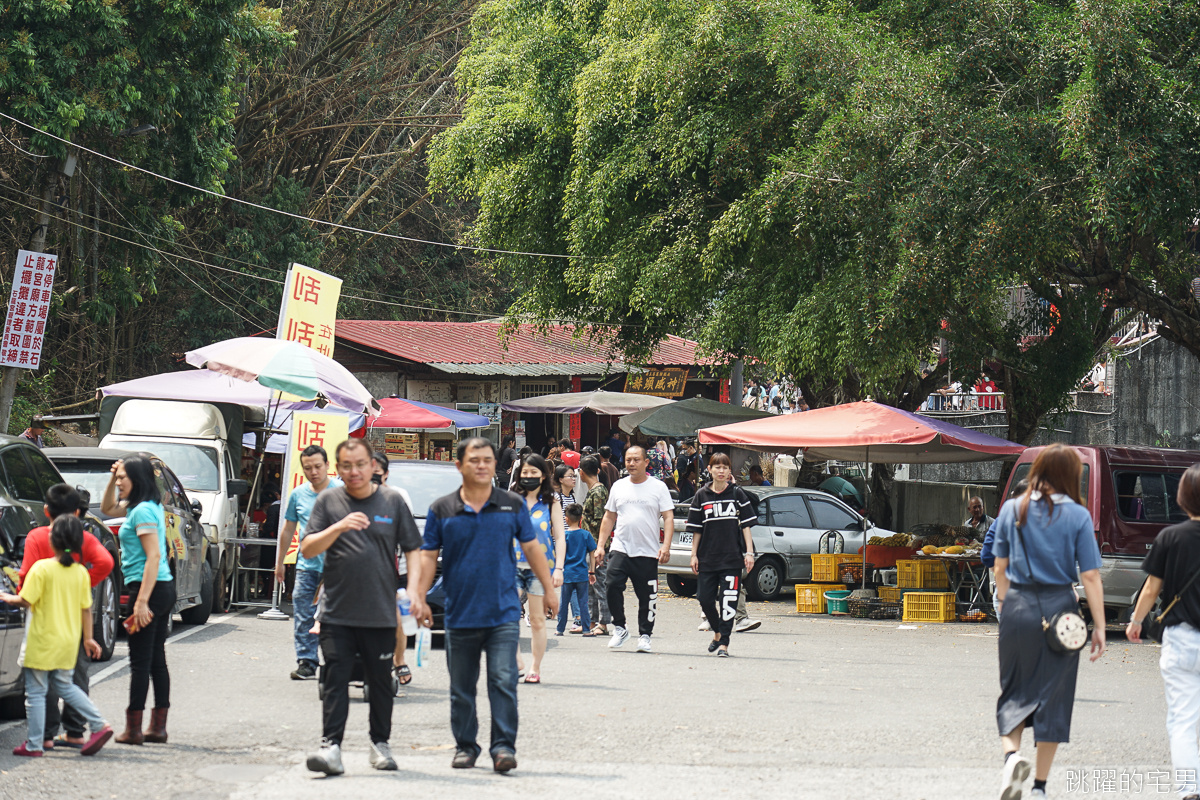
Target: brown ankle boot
[[157, 731], [133, 728]]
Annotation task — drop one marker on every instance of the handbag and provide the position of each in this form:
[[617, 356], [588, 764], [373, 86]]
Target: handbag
[[1152, 626], [1065, 631]]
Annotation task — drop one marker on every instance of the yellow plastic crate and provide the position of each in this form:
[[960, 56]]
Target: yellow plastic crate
[[825, 566], [929, 607], [810, 597], [892, 593], [921, 574]]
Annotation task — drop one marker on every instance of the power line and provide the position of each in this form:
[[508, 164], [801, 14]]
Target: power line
[[236, 272], [392, 301], [146, 247], [174, 266], [23, 150], [396, 301], [313, 220]]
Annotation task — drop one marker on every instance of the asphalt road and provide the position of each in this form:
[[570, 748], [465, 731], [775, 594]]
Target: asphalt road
[[808, 707]]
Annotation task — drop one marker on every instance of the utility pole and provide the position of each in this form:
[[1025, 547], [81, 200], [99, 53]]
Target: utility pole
[[37, 244]]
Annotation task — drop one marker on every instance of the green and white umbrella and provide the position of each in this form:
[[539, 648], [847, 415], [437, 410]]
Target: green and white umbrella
[[288, 367]]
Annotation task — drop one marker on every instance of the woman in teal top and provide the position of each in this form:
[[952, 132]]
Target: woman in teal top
[[537, 491], [148, 579]]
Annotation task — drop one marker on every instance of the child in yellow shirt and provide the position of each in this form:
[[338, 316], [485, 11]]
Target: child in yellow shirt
[[57, 590]]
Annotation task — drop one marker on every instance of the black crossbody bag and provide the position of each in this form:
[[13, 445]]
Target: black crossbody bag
[[1152, 626], [1066, 631]]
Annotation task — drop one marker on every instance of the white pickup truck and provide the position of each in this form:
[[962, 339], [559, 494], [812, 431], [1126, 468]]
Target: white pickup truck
[[195, 442]]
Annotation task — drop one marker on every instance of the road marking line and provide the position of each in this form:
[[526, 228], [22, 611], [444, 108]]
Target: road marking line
[[117, 666]]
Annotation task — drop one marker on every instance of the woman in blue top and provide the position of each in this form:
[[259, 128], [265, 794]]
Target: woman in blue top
[[537, 489], [132, 491], [1043, 540]]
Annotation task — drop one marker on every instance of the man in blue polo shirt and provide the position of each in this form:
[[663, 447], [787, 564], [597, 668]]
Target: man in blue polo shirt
[[474, 528]]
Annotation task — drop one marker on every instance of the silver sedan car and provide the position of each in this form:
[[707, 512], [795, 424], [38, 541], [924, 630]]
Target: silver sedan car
[[793, 524]]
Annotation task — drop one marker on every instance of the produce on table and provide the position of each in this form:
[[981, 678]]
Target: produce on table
[[895, 540]]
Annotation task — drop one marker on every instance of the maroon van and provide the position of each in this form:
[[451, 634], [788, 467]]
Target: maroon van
[[1130, 492]]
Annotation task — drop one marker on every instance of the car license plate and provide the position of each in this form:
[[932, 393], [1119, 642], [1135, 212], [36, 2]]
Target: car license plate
[[685, 537]]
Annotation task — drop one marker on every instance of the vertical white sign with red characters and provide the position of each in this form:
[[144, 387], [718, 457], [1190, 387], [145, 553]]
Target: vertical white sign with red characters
[[309, 309], [28, 310], [310, 427]]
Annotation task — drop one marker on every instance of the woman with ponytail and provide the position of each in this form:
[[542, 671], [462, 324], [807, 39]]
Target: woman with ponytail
[[133, 493]]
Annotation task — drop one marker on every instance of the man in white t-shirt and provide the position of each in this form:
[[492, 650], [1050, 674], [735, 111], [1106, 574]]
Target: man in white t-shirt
[[635, 505]]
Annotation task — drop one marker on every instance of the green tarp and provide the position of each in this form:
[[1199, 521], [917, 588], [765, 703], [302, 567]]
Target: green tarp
[[686, 417]]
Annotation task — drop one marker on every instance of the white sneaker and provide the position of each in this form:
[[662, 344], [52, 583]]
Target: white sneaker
[[704, 626], [381, 756], [620, 636], [328, 759], [643, 644], [1016, 772], [747, 625], [1037, 792]]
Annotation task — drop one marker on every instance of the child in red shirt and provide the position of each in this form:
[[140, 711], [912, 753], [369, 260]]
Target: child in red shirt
[[62, 499]]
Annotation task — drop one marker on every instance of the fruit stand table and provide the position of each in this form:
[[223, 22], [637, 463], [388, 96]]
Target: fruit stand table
[[967, 576]]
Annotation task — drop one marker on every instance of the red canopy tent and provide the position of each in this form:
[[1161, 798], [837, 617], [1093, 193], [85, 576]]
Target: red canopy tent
[[865, 431], [869, 432], [400, 413]]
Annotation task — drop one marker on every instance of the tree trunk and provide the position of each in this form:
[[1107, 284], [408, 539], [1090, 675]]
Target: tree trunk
[[1022, 413]]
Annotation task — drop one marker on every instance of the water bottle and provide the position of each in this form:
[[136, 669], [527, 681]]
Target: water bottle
[[404, 606], [423, 645]]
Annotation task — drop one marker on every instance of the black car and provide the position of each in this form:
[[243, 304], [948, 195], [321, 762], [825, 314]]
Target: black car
[[89, 468], [25, 475], [14, 525]]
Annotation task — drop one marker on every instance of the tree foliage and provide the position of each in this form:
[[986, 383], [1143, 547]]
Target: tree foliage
[[821, 184], [318, 109]]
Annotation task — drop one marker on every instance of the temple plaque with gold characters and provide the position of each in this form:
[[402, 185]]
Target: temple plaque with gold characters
[[657, 382]]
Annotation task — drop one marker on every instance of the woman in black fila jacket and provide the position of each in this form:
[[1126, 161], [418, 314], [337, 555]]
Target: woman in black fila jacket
[[720, 520]]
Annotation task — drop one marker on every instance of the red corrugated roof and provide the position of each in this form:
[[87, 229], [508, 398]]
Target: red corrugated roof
[[479, 343]]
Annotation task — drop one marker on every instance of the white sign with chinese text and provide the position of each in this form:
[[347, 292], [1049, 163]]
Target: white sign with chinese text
[[28, 310], [308, 312]]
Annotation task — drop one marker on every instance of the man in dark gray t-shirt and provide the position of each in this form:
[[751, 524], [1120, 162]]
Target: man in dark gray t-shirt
[[360, 566], [360, 527]]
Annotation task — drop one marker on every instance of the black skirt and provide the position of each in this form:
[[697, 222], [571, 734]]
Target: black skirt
[[1037, 685]]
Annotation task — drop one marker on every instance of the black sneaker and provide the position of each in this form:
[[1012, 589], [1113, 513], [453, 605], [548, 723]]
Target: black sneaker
[[305, 671], [464, 759]]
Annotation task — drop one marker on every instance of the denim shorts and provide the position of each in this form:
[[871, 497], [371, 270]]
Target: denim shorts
[[528, 582]]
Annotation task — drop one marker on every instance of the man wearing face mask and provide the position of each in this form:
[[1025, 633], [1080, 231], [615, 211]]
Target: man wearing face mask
[[399, 667]]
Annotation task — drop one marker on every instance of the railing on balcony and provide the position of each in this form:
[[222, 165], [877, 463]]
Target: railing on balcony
[[964, 401]]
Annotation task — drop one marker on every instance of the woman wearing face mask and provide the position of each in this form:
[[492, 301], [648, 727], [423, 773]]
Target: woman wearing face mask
[[547, 516]]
